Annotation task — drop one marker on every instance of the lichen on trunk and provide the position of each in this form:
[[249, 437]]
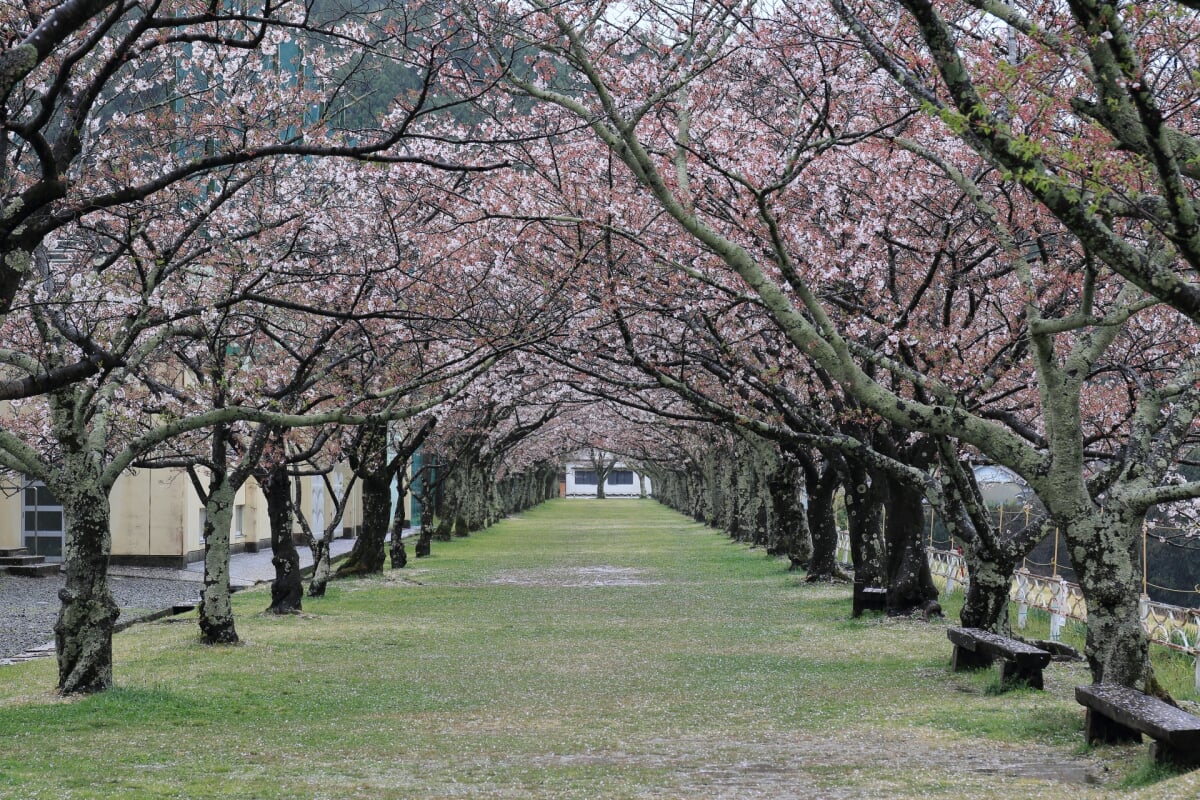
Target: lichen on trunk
[[864, 511], [216, 609], [791, 536], [910, 582], [321, 571], [821, 486], [1106, 557], [84, 630], [986, 603]]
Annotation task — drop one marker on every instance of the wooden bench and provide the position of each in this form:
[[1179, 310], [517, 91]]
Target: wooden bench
[[976, 649], [1118, 714]]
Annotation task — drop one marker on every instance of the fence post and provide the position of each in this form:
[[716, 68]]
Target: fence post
[[1025, 558], [1022, 597], [1057, 611], [1054, 562], [1144, 524], [1196, 647]]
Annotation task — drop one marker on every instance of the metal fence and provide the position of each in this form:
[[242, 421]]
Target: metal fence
[[1176, 627]]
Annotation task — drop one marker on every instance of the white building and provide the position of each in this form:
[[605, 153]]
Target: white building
[[622, 480]]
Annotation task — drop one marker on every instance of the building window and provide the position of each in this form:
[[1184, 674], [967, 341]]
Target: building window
[[238, 512], [43, 525], [585, 477], [620, 477]]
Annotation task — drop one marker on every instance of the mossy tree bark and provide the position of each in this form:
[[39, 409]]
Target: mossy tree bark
[[865, 496], [84, 630], [910, 583], [215, 615], [1106, 553], [991, 554], [216, 607]]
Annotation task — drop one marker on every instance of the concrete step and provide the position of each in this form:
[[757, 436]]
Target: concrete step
[[34, 570], [13, 551], [21, 560]]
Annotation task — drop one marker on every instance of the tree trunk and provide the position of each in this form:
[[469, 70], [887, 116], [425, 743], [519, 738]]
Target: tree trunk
[[864, 511], [986, 604], [444, 530], [216, 608], [287, 590], [1107, 558], [424, 545], [84, 630], [822, 525], [398, 555], [367, 555], [791, 537], [321, 571], [697, 495], [910, 583]]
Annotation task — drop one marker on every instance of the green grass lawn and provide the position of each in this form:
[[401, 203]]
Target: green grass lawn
[[584, 650]]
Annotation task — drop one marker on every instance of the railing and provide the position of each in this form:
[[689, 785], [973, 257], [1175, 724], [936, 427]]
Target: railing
[[1175, 627], [842, 553]]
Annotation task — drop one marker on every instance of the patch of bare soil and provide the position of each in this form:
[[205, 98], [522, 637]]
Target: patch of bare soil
[[573, 577], [840, 768], [857, 765]]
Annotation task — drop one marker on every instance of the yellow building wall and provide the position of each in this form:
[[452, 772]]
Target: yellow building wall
[[10, 511], [149, 514], [157, 517]]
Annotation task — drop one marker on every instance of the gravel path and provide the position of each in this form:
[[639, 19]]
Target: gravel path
[[29, 606]]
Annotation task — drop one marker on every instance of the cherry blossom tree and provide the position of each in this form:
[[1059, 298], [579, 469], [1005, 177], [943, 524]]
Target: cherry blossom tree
[[652, 87], [1086, 106], [91, 87]]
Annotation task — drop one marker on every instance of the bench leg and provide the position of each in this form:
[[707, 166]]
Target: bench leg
[[962, 659], [1099, 728], [1163, 753], [1012, 673]]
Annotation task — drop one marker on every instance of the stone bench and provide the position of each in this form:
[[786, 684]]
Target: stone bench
[[1117, 714], [976, 649]]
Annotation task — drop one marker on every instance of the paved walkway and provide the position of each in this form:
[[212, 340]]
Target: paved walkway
[[245, 569], [29, 606]]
